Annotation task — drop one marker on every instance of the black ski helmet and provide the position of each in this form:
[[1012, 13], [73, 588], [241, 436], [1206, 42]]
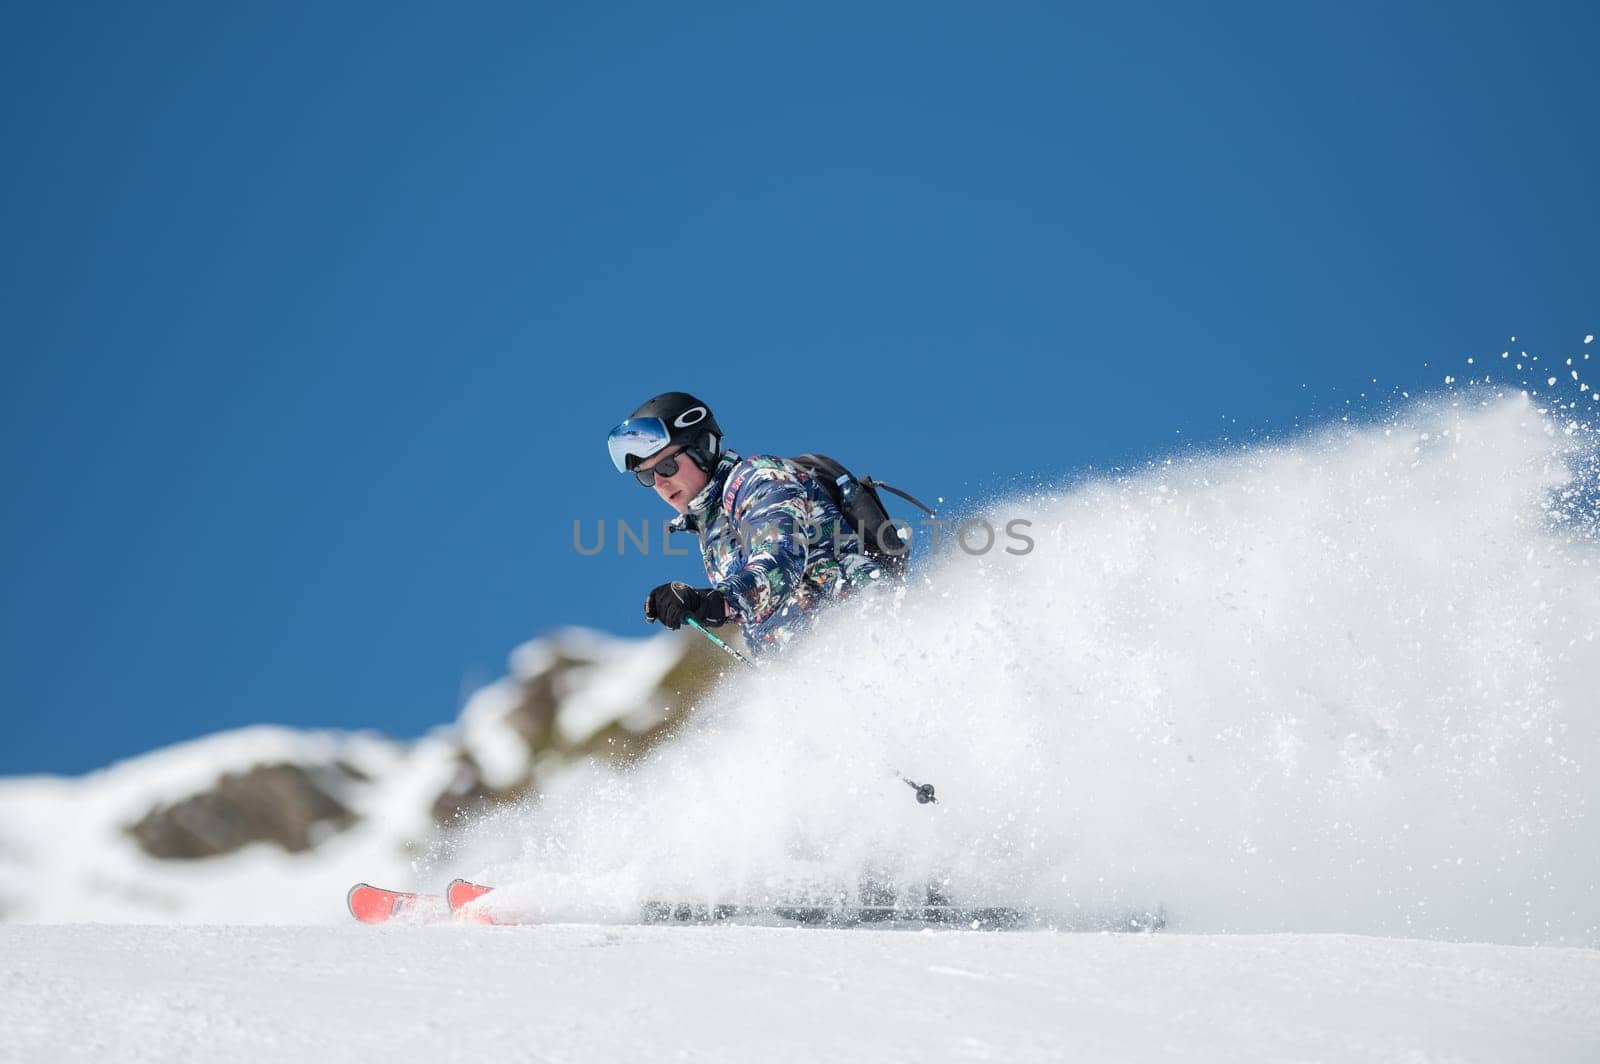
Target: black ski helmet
[[689, 423]]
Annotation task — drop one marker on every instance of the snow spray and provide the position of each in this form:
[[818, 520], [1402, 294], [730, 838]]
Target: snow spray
[[1344, 683]]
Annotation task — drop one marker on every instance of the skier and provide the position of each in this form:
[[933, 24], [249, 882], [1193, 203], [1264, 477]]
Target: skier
[[775, 546]]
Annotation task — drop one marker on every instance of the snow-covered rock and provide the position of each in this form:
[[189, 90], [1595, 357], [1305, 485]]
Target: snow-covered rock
[[268, 823]]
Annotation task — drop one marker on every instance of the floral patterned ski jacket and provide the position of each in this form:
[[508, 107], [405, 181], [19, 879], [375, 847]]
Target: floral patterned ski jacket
[[774, 544]]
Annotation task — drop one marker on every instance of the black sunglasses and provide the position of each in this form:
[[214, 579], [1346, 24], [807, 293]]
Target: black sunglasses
[[667, 467]]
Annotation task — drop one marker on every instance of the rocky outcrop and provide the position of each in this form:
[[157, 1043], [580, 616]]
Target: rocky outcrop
[[533, 718], [290, 805], [296, 806]]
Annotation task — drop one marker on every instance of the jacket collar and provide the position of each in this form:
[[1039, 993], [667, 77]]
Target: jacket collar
[[703, 505]]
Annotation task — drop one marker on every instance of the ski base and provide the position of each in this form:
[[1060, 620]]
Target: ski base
[[375, 905], [991, 918], [462, 893], [984, 918]]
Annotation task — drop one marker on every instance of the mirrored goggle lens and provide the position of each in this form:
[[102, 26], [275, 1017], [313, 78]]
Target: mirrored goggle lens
[[636, 438]]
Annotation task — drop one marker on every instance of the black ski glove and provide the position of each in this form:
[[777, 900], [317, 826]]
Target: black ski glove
[[672, 603]]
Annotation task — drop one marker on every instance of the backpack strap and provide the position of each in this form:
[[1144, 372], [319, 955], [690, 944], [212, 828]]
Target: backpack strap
[[868, 482]]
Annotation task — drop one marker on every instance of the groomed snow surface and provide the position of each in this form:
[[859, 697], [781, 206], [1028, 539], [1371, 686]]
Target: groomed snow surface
[[591, 993]]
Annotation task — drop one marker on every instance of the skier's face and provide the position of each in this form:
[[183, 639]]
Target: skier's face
[[685, 484]]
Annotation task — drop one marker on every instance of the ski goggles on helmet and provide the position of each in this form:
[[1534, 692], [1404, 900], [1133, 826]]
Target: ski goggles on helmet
[[635, 440]]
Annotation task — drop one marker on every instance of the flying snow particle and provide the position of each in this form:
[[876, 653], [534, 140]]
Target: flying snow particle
[[1552, 380]]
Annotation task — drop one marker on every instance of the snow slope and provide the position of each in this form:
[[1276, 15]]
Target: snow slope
[[582, 993]]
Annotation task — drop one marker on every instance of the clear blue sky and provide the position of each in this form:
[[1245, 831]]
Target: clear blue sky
[[315, 316]]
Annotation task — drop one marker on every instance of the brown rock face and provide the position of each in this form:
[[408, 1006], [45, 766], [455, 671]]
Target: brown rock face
[[533, 719], [282, 803], [297, 805]]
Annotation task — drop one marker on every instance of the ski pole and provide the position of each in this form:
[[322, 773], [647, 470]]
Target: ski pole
[[924, 791], [709, 634]]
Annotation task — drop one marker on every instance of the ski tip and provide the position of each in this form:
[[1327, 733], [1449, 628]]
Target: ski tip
[[460, 894], [463, 892], [370, 904], [350, 898]]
